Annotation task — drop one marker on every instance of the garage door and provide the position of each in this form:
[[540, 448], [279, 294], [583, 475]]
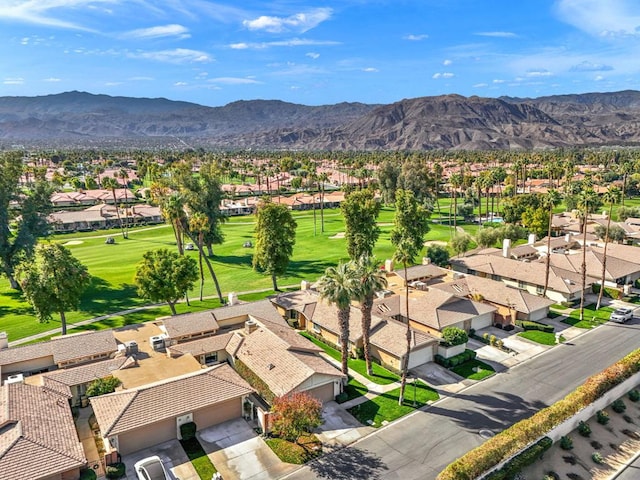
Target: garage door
[[483, 321], [147, 436], [421, 356], [324, 393]]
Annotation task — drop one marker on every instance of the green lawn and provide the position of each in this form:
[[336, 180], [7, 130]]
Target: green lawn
[[198, 458], [543, 338], [381, 375], [466, 370], [354, 389], [592, 317], [307, 448], [385, 407]]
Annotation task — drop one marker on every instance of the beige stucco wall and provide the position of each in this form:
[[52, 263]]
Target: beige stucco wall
[[324, 393], [31, 365], [219, 413], [385, 358]]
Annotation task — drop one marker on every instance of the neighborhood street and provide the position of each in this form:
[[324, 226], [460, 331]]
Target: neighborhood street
[[420, 445]]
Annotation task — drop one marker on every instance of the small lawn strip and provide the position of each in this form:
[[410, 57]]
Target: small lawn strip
[[381, 375], [385, 407], [466, 370], [592, 317], [353, 389], [198, 458], [305, 449], [543, 338]]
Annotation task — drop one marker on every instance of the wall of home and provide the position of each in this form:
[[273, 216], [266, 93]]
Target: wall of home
[[431, 331], [28, 366], [73, 474], [215, 414], [147, 436], [386, 359]]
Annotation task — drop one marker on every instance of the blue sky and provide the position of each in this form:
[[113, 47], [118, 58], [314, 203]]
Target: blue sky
[[312, 52]]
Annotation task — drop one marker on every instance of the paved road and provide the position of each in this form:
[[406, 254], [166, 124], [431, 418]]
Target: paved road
[[421, 445]]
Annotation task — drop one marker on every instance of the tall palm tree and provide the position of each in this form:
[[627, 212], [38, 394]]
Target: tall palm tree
[[586, 201], [369, 280], [172, 209], [551, 200], [337, 287], [456, 182], [123, 175], [611, 197], [198, 224], [404, 254], [110, 183]]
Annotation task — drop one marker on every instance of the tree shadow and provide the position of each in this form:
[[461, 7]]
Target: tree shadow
[[102, 297], [349, 463]]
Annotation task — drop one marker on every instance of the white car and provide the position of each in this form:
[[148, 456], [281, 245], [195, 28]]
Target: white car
[[621, 315], [151, 468]]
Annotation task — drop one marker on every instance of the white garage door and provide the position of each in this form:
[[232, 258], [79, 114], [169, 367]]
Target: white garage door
[[419, 357], [482, 321]]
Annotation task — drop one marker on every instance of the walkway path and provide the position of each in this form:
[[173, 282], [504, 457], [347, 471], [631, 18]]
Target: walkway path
[[89, 321]]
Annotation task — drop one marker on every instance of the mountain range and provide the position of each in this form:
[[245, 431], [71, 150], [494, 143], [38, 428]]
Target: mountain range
[[80, 119]]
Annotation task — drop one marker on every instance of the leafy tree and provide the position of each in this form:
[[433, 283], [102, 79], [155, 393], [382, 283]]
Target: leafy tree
[[53, 282], [20, 229], [438, 254], [410, 227], [295, 414], [536, 220], [360, 210], [338, 287], [164, 276], [616, 233], [103, 386], [461, 243], [627, 212], [369, 279], [487, 237], [275, 237], [388, 174], [513, 208], [453, 336], [466, 210]]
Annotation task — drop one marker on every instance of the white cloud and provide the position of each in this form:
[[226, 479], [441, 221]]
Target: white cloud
[[481, 85], [497, 34], [51, 79], [41, 12], [173, 30], [598, 78], [234, 81], [587, 66], [447, 62], [13, 81], [497, 80], [370, 69], [294, 42], [180, 84], [443, 75], [313, 55], [300, 22], [177, 55], [112, 84], [416, 38], [140, 79], [601, 18], [538, 73]]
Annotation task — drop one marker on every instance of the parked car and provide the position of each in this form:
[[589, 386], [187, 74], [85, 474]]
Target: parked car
[[621, 315], [151, 468]]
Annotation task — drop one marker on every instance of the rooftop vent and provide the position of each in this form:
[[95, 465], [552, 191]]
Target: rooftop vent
[[271, 366]]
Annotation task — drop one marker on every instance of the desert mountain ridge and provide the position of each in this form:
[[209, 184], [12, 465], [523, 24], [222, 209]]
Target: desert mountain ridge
[[80, 119]]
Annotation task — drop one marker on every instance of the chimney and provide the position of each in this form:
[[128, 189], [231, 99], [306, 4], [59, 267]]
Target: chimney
[[426, 260], [567, 237], [4, 341], [506, 248], [233, 298], [305, 285], [250, 326], [388, 265], [532, 239]]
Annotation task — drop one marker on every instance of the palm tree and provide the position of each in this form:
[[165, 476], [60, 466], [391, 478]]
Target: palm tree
[[337, 287], [611, 197], [456, 182], [124, 176], [199, 224], [404, 254], [370, 279], [586, 201], [110, 183], [551, 200], [172, 209]]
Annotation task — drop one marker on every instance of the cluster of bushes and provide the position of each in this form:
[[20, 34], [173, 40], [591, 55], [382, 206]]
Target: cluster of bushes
[[531, 325], [527, 457], [115, 470], [492, 340], [456, 360], [255, 381], [453, 336], [510, 441], [608, 291]]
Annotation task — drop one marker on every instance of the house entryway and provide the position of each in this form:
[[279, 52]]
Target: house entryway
[[87, 438]]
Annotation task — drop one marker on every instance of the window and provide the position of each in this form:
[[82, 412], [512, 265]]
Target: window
[[316, 328], [211, 358], [521, 284], [539, 290], [495, 277], [292, 315]]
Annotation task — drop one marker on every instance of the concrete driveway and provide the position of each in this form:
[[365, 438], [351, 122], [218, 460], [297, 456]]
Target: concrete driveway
[[339, 427], [173, 456], [240, 454]]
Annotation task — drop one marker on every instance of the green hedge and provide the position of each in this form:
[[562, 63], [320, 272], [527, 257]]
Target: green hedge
[[255, 381], [456, 360], [527, 457], [476, 462], [115, 470], [531, 325], [608, 291]]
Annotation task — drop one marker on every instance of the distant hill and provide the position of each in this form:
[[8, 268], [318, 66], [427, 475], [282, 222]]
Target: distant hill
[[440, 122]]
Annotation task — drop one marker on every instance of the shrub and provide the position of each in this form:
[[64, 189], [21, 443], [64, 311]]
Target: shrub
[[295, 414], [492, 340], [485, 337], [342, 397], [188, 430], [531, 325], [453, 336], [499, 343], [509, 327], [566, 443], [597, 457], [602, 417], [618, 406], [116, 470], [88, 474], [634, 395], [526, 457], [584, 429], [102, 386]]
